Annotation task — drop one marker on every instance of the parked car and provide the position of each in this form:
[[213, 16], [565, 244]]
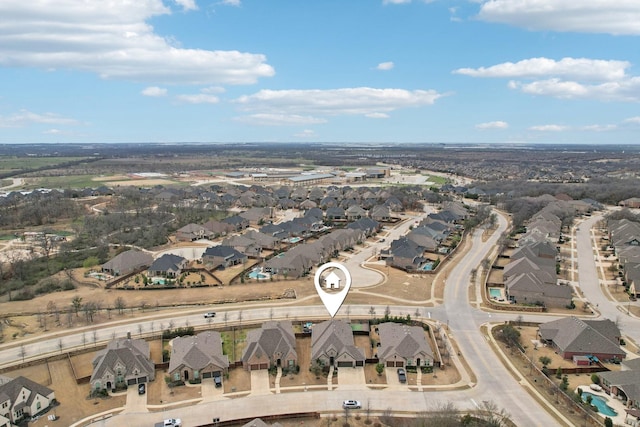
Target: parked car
[[402, 375], [210, 315], [351, 404], [217, 379], [170, 422], [142, 389]]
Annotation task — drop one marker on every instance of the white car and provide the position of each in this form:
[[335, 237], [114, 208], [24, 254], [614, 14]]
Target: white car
[[210, 315], [173, 422], [351, 404]]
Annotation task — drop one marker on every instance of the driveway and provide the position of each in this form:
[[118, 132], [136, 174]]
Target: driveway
[[260, 383], [392, 379], [210, 392], [135, 402], [351, 378]]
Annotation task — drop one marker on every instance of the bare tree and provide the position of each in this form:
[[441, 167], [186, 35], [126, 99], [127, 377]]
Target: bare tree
[[271, 313], [120, 305], [140, 329], [84, 339], [76, 303], [372, 312], [22, 352], [225, 317], [60, 344]]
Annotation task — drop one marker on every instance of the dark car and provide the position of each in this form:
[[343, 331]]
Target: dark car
[[217, 379], [402, 375], [142, 389]]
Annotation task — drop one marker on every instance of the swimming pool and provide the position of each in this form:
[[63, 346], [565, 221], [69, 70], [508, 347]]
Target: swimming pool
[[257, 274], [600, 403], [495, 293], [427, 266]]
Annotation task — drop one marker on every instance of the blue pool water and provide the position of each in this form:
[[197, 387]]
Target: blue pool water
[[256, 274], [495, 293], [600, 403], [427, 266]]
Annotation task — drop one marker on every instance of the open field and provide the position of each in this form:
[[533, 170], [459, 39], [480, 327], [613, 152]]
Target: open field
[[8, 164]]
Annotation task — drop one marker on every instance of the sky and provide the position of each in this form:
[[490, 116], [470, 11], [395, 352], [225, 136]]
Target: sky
[[346, 71]]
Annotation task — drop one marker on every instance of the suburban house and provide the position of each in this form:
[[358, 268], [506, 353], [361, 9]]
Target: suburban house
[[222, 256], [218, 228], [404, 253], [403, 345], [168, 265], [197, 357], [237, 222], [625, 385], [576, 337], [274, 344], [332, 344], [191, 232], [257, 216], [122, 363], [533, 288], [243, 244], [127, 262], [22, 398]]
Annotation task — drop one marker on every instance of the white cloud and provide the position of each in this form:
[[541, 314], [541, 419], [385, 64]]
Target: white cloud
[[198, 98], [307, 133], [599, 128], [377, 115], [113, 40], [331, 102], [187, 4], [493, 125], [624, 90], [154, 91], [235, 3], [585, 16], [575, 68], [634, 120], [396, 1], [385, 66], [26, 118], [213, 89], [549, 128], [265, 119]]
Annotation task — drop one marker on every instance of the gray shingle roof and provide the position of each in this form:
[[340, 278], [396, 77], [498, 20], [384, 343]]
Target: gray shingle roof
[[406, 341], [273, 338], [583, 336], [334, 334], [198, 352]]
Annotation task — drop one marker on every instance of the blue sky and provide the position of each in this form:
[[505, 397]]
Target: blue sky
[[353, 71]]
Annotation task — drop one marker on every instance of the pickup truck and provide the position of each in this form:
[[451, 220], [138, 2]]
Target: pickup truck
[[170, 422]]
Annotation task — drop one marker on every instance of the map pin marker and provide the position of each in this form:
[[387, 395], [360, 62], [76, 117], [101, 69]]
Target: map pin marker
[[332, 300]]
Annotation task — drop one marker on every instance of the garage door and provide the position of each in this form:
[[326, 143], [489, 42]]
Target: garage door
[[345, 364], [207, 374], [390, 363], [142, 380], [360, 363], [254, 366], [264, 366], [131, 381], [399, 364]]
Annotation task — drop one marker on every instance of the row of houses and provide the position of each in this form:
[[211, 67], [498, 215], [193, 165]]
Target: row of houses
[[236, 249], [127, 362], [624, 236], [531, 276], [409, 252]]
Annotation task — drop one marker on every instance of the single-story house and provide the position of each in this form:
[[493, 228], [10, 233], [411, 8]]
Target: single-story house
[[332, 344], [197, 357], [127, 262], [122, 363], [274, 344], [403, 345]]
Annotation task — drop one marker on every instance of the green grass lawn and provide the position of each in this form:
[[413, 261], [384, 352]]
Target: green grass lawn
[[63, 182], [228, 343], [8, 164], [438, 180]]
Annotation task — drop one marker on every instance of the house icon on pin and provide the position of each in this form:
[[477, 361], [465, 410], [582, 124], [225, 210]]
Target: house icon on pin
[[332, 281]]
